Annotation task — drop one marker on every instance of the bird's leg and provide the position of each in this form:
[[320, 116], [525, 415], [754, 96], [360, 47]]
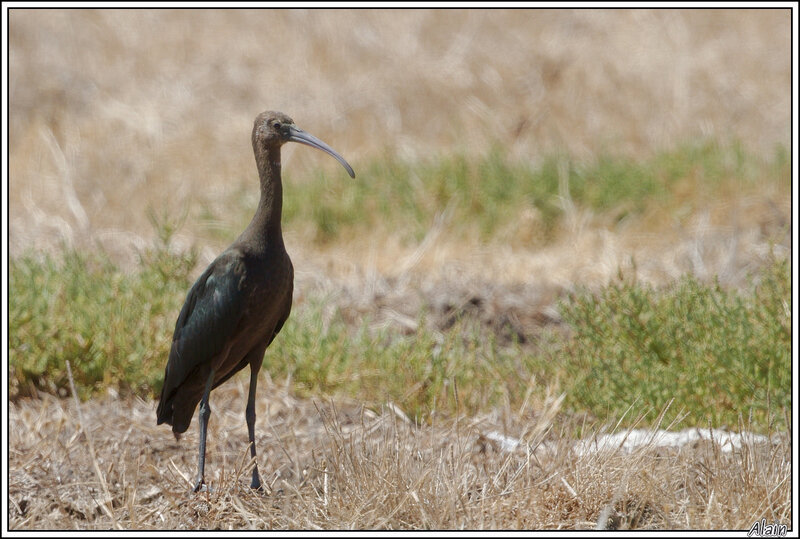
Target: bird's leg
[[250, 416], [205, 412]]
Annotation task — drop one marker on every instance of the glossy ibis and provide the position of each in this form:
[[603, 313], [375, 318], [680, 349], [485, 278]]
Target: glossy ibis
[[239, 303]]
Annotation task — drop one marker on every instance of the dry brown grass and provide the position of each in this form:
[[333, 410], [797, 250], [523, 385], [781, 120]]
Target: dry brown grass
[[336, 465], [114, 112]]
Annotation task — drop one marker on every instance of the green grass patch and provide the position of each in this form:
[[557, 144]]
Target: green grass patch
[[719, 353], [115, 328], [486, 195], [715, 353], [462, 369]]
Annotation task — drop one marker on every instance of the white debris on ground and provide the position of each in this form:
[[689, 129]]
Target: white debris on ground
[[627, 441], [506, 443]]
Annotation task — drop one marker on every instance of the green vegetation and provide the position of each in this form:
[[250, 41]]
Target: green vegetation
[[114, 328], [717, 352], [419, 372], [488, 194]]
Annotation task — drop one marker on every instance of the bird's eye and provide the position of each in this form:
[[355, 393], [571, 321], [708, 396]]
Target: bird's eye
[[276, 125]]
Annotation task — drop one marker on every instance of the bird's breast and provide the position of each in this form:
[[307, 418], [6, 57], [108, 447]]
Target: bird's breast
[[268, 286]]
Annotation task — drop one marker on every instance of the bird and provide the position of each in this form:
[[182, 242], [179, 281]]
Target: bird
[[239, 303]]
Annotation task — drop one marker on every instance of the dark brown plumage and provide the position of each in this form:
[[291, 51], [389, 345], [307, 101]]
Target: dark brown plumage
[[240, 302]]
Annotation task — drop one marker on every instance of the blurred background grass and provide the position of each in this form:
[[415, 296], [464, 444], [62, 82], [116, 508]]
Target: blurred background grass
[[114, 111], [547, 147]]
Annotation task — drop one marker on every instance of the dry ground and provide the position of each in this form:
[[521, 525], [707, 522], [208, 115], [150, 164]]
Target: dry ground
[[115, 112], [336, 465]]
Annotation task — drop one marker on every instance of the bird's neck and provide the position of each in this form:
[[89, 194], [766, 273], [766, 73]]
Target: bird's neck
[[265, 228]]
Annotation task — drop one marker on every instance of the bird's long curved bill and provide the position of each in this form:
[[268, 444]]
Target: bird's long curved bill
[[298, 135]]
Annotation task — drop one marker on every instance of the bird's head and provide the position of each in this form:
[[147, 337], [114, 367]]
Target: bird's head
[[272, 129]]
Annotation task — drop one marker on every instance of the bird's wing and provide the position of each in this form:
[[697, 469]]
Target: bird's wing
[[209, 317]]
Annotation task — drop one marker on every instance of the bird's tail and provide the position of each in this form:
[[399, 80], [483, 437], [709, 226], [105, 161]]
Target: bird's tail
[[164, 410], [177, 409]]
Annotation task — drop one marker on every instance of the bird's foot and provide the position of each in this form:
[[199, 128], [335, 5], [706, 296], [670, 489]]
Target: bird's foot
[[201, 486], [255, 484]]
